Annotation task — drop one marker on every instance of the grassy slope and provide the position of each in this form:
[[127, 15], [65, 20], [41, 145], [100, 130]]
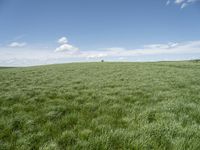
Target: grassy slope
[[101, 106]]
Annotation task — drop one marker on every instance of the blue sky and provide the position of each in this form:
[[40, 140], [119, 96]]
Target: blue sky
[[42, 31]]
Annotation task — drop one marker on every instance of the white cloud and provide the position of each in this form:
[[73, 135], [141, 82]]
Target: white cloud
[[171, 48], [179, 1], [151, 52], [182, 3], [161, 46], [62, 40], [115, 49], [17, 44], [65, 46]]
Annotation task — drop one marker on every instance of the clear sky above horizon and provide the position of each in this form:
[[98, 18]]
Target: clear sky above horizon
[[59, 31]]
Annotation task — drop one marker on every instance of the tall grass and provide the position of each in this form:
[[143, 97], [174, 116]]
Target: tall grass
[[101, 106]]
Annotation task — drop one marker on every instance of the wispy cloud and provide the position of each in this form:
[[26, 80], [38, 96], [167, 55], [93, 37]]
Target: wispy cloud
[[65, 46], [181, 3], [17, 44], [19, 37], [154, 49], [168, 2], [184, 5]]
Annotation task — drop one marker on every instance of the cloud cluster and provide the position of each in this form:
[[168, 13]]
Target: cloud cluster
[[192, 47], [151, 52], [65, 46], [17, 44], [182, 3]]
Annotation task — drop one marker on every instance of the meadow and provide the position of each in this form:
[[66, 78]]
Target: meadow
[[101, 106]]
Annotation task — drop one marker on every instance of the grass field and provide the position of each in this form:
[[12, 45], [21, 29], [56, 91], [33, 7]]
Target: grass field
[[101, 106]]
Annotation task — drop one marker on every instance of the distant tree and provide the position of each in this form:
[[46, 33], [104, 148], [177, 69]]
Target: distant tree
[[102, 60]]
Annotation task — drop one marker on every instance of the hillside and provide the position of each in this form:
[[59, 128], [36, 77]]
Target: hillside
[[101, 106]]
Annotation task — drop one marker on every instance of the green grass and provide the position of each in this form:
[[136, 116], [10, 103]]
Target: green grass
[[101, 106], [6, 67]]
